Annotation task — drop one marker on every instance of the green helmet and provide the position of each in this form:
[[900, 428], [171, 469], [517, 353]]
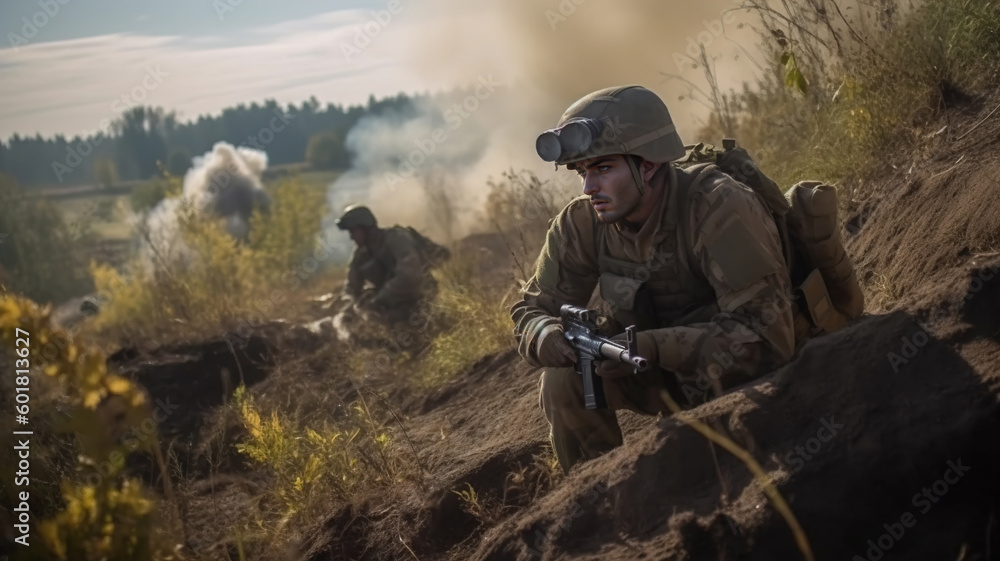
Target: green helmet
[[628, 120], [356, 215]]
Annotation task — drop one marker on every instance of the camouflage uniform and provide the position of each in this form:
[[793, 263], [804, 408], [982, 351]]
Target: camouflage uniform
[[720, 311], [400, 276]]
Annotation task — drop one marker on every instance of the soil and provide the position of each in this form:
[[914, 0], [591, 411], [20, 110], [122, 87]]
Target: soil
[[881, 437]]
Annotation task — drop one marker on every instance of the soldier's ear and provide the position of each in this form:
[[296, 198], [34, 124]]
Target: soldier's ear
[[648, 169]]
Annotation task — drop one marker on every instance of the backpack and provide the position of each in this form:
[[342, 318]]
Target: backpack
[[822, 274], [433, 255]]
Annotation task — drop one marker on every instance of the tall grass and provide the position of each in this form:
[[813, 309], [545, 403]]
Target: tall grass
[[217, 281], [317, 464], [475, 319], [519, 207], [878, 77]]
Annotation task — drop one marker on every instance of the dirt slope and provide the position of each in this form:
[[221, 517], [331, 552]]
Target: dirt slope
[[882, 437], [909, 397], [854, 432]]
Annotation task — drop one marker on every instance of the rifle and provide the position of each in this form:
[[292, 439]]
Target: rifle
[[580, 329]]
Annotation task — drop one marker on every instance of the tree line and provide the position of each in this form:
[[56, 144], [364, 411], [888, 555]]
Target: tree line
[[141, 139]]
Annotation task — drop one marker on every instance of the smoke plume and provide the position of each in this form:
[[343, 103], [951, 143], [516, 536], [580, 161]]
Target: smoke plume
[[224, 183], [538, 57]]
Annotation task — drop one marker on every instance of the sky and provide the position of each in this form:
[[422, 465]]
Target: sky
[[194, 56], [69, 66]]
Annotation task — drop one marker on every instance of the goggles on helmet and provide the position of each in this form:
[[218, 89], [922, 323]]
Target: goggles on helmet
[[573, 138]]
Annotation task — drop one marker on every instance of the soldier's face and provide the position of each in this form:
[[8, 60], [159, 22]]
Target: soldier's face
[[608, 181], [358, 235]]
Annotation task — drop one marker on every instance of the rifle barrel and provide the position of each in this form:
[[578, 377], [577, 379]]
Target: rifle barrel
[[618, 353]]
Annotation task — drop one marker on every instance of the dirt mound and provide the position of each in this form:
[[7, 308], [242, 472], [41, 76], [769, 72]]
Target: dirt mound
[[881, 436], [186, 383], [457, 447], [851, 437], [929, 219]]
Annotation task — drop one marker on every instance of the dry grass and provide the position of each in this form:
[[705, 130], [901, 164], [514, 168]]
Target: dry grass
[[876, 83], [476, 324], [215, 285], [519, 207]]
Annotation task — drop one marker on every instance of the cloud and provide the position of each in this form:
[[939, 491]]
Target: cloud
[[70, 86]]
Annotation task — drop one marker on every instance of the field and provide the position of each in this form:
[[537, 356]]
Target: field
[[223, 405], [107, 215]]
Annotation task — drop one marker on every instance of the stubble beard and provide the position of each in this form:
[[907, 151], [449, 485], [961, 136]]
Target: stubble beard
[[618, 214]]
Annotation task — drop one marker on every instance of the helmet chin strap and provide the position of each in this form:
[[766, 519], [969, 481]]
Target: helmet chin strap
[[635, 173]]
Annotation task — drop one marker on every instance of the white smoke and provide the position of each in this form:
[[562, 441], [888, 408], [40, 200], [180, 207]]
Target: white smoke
[[416, 167], [225, 182]]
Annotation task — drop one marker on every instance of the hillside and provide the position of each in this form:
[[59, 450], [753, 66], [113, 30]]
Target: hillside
[[862, 434]]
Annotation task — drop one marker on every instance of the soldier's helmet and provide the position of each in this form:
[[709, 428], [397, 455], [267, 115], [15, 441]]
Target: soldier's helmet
[[356, 215], [619, 120]]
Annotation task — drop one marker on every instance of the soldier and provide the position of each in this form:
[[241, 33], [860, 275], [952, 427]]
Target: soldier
[[693, 259], [395, 261]]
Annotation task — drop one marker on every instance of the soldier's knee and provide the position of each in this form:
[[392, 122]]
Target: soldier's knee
[[558, 387]]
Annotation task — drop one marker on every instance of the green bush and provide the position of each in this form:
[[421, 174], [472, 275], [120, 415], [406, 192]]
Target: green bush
[[313, 465], [40, 256], [326, 151], [219, 283], [104, 516]]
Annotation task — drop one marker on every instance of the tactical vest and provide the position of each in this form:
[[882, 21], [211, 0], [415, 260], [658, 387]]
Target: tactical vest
[[666, 290]]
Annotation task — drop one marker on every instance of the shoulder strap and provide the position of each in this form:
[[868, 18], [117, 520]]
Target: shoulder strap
[[687, 179]]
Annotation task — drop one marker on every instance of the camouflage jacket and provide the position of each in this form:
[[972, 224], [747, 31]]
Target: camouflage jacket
[[722, 308], [393, 265]]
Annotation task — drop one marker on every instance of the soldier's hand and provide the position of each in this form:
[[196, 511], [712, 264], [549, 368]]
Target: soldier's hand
[[553, 349], [647, 350]]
